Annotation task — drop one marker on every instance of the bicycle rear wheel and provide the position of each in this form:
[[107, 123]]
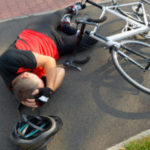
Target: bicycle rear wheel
[[131, 72]]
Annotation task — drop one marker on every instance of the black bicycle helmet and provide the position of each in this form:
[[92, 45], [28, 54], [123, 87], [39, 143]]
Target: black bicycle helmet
[[34, 132]]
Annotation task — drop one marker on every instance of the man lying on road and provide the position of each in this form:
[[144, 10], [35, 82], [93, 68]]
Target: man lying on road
[[28, 66]]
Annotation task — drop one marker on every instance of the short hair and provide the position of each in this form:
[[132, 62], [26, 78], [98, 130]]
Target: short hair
[[23, 88]]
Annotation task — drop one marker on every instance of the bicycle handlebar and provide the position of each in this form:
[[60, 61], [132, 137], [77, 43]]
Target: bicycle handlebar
[[90, 21]]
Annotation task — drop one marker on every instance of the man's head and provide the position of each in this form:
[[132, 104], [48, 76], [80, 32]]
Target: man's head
[[24, 84]]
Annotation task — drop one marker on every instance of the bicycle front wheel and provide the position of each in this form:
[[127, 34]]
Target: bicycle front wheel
[[133, 71]]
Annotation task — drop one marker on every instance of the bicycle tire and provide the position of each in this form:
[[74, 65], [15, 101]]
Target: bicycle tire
[[130, 14], [133, 74]]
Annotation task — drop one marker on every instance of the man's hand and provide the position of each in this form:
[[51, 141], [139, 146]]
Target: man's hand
[[42, 95], [49, 65], [30, 103]]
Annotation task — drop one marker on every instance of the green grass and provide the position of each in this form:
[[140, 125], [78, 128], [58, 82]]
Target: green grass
[[142, 144]]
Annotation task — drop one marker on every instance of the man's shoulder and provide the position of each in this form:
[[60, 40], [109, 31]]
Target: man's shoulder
[[16, 57], [8, 53]]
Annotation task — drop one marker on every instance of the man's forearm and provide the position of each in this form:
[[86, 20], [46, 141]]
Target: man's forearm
[[49, 65], [51, 73]]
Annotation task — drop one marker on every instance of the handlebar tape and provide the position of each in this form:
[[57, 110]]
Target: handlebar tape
[[97, 20]]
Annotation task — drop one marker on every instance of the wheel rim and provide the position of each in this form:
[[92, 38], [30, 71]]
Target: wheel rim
[[136, 77]]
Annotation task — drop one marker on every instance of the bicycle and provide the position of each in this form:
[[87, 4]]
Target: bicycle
[[138, 12], [131, 58]]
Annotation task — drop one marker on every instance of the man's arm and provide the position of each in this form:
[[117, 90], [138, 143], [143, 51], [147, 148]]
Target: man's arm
[[59, 79], [54, 76], [49, 65]]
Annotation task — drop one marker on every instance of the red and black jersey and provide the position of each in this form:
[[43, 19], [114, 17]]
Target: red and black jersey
[[36, 42], [13, 59], [42, 37], [20, 58]]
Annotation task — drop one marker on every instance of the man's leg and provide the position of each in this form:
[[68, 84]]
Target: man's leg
[[54, 19], [59, 78], [58, 15]]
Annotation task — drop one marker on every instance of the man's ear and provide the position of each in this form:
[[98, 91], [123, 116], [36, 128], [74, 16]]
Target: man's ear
[[24, 75]]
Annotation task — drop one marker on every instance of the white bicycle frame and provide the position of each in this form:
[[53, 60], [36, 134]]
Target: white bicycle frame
[[113, 43], [112, 39]]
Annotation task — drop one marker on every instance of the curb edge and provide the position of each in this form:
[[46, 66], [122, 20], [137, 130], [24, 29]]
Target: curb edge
[[136, 137]]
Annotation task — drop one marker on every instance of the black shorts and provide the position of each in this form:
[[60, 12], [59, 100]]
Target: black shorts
[[65, 43]]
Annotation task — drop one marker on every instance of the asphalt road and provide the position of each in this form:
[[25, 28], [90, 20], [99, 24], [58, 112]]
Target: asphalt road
[[97, 106]]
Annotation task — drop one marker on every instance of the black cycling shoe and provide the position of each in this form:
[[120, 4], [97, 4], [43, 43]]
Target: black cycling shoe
[[74, 9]]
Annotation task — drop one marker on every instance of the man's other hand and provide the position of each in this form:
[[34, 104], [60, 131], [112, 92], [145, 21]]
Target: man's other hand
[[30, 103]]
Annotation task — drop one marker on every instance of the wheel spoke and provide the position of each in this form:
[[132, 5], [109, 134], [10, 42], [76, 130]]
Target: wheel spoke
[[128, 68]]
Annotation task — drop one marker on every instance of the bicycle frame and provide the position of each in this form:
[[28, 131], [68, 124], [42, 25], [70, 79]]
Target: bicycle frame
[[146, 1], [112, 40]]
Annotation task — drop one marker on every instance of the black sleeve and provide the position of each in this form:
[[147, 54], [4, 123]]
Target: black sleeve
[[13, 59]]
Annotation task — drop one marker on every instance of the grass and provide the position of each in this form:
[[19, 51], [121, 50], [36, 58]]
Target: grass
[[141, 144]]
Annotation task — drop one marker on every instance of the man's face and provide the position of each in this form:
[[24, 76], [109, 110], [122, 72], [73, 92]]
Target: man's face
[[31, 76]]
